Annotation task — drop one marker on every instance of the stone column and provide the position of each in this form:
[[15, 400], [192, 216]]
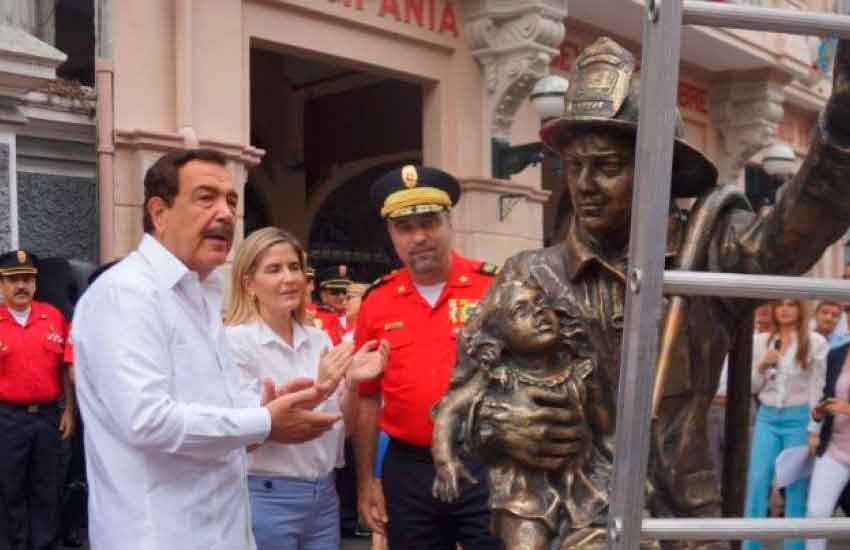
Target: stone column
[[747, 116], [514, 43]]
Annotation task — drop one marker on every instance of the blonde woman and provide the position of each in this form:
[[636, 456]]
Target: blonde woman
[[789, 369], [294, 504]]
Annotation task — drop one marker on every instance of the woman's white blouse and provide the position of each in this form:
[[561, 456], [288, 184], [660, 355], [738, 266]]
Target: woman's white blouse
[[259, 353], [788, 385]]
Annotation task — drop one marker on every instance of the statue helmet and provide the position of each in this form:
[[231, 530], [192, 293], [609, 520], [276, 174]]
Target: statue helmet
[[604, 95]]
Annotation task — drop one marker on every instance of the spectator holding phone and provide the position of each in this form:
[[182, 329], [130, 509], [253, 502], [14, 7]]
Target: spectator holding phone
[[789, 366], [832, 465]]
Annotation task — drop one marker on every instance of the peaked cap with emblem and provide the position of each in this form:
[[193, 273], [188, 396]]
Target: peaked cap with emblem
[[604, 94], [411, 190], [334, 277], [18, 262]]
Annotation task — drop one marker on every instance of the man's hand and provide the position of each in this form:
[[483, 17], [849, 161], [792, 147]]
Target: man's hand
[[371, 505], [293, 420], [369, 361], [546, 433], [66, 423]]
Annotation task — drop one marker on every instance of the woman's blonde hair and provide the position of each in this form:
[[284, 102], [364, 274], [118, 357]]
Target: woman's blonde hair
[[802, 326], [242, 308]]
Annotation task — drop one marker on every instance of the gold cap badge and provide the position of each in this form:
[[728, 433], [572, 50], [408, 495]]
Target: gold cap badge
[[22, 257], [409, 176]]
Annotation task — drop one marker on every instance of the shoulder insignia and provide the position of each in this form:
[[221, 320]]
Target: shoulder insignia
[[378, 282], [489, 269]]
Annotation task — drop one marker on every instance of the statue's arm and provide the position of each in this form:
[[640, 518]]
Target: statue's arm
[[449, 414], [813, 210]]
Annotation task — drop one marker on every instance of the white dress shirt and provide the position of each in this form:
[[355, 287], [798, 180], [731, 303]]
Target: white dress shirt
[[788, 385], [165, 431], [259, 353]]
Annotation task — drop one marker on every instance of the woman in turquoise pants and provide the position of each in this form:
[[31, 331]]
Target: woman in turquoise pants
[[789, 366]]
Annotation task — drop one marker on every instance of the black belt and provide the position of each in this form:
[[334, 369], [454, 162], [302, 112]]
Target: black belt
[[415, 452], [31, 408]]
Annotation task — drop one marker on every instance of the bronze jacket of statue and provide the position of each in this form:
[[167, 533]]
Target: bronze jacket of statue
[[812, 212]]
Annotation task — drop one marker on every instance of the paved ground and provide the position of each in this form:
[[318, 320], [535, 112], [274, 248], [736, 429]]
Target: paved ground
[[355, 544], [347, 544], [364, 544]]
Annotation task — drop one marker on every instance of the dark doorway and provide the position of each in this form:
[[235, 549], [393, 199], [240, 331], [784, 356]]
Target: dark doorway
[[347, 230], [316, 120]]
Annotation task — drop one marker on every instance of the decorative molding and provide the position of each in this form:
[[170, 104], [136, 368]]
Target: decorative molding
[[26, 63], [340, 174], [173, 141], [747, 117], [514, 42], [504, 187]]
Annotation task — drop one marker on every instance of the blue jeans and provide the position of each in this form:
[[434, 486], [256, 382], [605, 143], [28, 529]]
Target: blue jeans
[[294, 514], [776, 429]]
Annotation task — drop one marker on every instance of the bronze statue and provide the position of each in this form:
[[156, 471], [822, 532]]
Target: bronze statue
[[548, 429], [526, 341]]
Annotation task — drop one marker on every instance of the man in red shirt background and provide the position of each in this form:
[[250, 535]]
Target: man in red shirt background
[[33, 338], [419, 309], [333, 284]]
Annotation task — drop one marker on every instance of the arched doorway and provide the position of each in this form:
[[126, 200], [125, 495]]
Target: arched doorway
[[348, 230]]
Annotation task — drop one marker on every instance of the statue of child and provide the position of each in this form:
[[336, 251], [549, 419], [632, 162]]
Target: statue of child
[[522, 346]]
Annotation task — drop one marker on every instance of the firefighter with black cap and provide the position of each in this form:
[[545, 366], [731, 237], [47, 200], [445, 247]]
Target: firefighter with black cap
[[419, 309], [33, 337], [333, 284]]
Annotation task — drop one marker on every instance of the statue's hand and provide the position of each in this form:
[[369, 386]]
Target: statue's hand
[[548, 432], [838, 106], [447, 483]]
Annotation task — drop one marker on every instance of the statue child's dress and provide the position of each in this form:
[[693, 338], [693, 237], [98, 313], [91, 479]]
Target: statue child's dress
[[574, 495]]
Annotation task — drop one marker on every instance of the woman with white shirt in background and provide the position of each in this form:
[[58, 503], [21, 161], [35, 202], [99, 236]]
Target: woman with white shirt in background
[[789, 366], [293, 499]]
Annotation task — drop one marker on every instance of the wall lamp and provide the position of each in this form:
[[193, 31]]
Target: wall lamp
[[779, 160], [547, 98]]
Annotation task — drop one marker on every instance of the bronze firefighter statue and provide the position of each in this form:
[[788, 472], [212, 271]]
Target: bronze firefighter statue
[[538, 403]]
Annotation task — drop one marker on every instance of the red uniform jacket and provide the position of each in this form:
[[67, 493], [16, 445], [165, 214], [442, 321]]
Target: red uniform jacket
[[31, 356], [327, 320], [422, 343]]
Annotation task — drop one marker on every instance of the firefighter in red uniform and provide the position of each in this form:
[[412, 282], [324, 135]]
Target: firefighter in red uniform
[[32, 379], [311, 308], [419, 309], [330, 313]]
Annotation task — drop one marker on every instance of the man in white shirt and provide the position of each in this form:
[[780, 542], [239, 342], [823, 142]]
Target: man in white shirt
[[165, 429]]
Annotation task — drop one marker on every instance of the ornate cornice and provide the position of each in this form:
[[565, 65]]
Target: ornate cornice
[[747, 116], [514, 42], [504, 187], [172, 141]]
